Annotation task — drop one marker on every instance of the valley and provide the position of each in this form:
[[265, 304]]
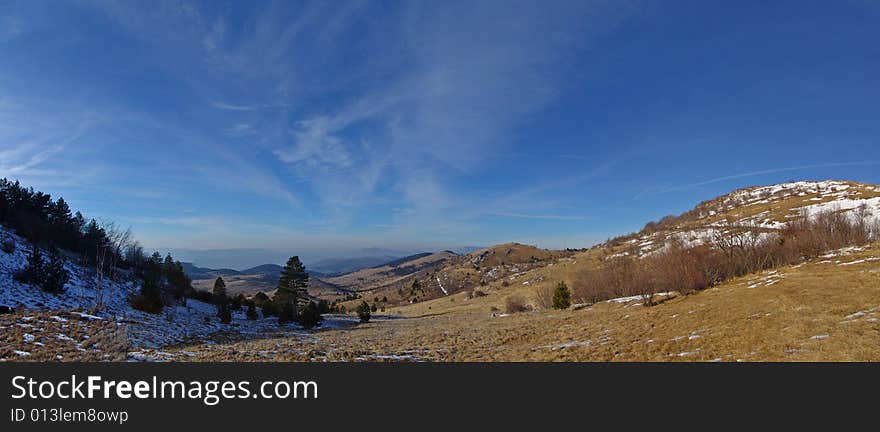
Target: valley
[[788, 272], [789, 314]]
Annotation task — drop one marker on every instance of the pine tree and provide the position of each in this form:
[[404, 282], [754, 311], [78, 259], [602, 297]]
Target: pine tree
[[219, 290], [222, 301], [323, 306], [251, 311], [150, 298], [224, 313], [310, 316], [363, 311], [561, 296], [291, 290], [34, 271], [294, 280], [286, 312], [55, 275]]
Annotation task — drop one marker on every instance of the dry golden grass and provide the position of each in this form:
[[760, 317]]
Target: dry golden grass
[[826, 310], [60, 336], [376, 278]]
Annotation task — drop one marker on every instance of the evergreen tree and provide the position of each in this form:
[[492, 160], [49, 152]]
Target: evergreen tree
[[260, 299], [238, 301], [294, 280], [561, 296], [34, 270], [323, 306], [291, 290], [150, 298], [50, 276], [224, 313], [251, 311], [363, 311], [222, 301], [55, 275], [310, 316], [219, 290], [179, 282], [286, 311]]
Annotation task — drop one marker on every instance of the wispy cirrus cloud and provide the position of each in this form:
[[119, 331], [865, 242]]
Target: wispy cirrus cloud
[[541, 216], [757, 174], [232, 107]]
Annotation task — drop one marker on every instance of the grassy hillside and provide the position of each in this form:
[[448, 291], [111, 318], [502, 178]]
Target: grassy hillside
[[824, 310]]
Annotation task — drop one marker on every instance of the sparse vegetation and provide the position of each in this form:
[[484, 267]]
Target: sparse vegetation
[[731, 253], [516, 304], [544, 297]]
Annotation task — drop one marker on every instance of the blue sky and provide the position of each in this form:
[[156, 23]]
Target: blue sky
[[322, 128]]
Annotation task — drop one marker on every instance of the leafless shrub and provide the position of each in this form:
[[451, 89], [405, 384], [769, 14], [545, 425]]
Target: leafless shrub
[[9, 245], [516, 304], [731, 253], [544, 297]]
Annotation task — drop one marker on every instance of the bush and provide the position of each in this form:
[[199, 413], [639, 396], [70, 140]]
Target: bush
[[323, 306], [732, 252], [251, 311], [286, 312], [202, 296], [261, 299], [478, 293], [544, 297], [310, 316], [269, 309], [55, 276], [516, 304], [50, 276], [224, 313], [363, 311], [561, 296], [146, 304], [9, 245]]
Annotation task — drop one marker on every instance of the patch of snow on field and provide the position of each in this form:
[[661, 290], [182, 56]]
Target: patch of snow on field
[[441, 286], [845, 205], [860, 261], [842, 251], [639, 297]]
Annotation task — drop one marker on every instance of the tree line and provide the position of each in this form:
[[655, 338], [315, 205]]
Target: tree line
[[109, 250], [290, 303]]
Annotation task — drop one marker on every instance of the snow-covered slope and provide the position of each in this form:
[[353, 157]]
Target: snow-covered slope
[[758, 210], [174, 325]]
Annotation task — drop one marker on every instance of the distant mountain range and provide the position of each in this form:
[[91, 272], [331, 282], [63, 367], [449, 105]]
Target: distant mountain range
[[195, 272], [337, 266]]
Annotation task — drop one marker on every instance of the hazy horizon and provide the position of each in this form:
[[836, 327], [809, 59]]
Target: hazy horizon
[[320, 129]]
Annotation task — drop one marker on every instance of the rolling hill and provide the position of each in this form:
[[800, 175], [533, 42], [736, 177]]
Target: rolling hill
[[822, 308], [821, 304], [386, 278]]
